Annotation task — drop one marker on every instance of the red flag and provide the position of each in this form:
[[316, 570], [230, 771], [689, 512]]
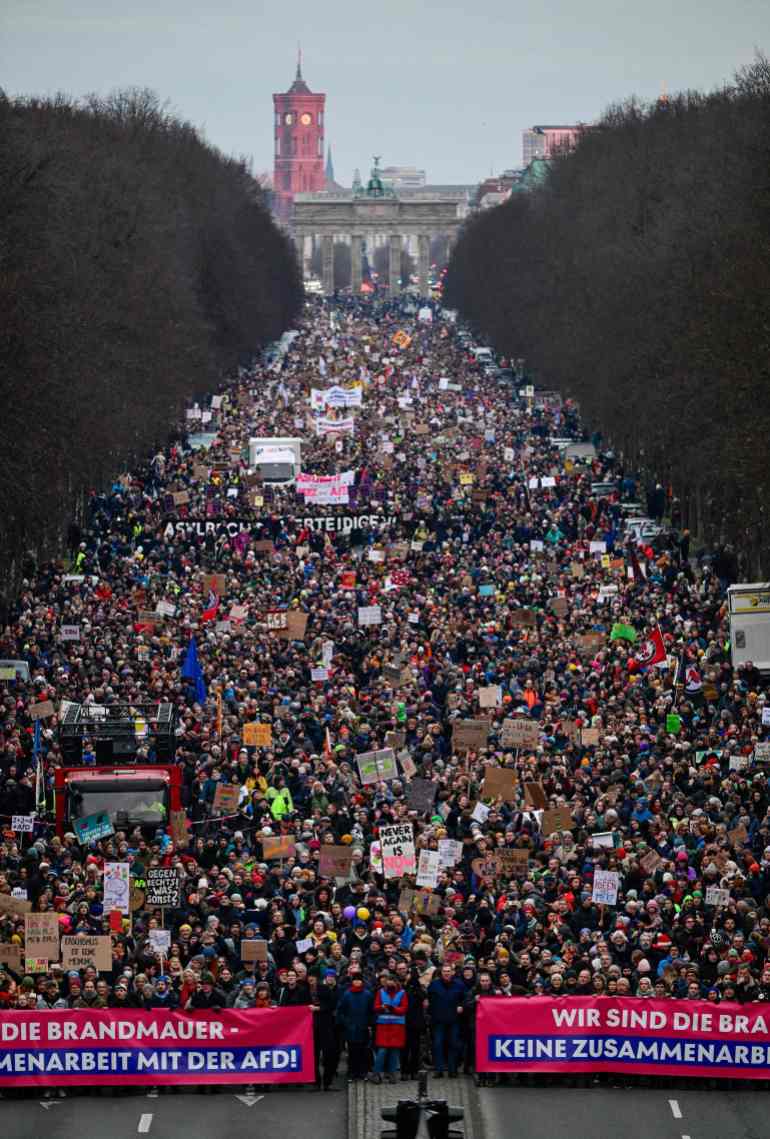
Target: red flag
[[652, 650], [212, 607]]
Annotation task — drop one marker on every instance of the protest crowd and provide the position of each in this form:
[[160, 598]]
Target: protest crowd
[[443, 729]]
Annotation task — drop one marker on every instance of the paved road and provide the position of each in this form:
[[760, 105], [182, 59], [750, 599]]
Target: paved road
[[603, 1113], [289, 1114]]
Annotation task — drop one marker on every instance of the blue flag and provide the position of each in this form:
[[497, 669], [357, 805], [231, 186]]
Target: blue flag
[[191, 669]]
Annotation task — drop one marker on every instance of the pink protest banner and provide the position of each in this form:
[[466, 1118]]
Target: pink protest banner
[[608, 1034], [107, 1047]]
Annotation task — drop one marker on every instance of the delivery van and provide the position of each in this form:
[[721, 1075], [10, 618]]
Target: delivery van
[[749, 605]]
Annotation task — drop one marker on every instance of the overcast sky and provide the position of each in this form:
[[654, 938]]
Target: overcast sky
[[445, 86]]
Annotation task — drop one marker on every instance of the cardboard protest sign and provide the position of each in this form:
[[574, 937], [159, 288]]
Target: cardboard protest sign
[[589, 642], [397, 850], [215, 581], [469, 735], [428, 869], [589, 737], [605, 887], [524, 619], [15, 906], [374, 766], [179, 831], [276, 620], [257, 735], [253, 949], [277, 846], [488, 866], [570, 729], [491, 696], [535, 796], [650, 861], [296, 624], [41, 710], [164, 887], [41, 936], [335, 861], [408, 766], [559, 606], [419, 902], [22, 824], [420, 794], [520, 733], [264, 546], [79, 952], [738, 836], [513, 861], [499, 783], [12, 956], [226, 798], [558, 819]]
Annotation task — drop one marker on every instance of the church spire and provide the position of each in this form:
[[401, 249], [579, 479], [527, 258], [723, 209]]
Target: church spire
[[299, 62], [329, 165]]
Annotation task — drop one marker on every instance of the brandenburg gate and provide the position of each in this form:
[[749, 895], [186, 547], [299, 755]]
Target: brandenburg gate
[[360, 215]]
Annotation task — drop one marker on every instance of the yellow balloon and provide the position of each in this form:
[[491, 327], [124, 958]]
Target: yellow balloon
[[362, 913]]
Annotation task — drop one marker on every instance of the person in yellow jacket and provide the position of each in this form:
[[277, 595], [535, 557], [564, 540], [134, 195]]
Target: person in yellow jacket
[[280, 800]]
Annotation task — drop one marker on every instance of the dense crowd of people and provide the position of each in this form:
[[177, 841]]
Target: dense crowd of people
[[506, 593]]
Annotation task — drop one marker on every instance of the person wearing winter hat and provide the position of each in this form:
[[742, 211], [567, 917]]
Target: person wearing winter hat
[[207, 995], [327, 1034]]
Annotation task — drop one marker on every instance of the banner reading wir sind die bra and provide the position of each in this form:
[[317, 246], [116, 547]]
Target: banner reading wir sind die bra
[[605, 1034], [111, 1046]]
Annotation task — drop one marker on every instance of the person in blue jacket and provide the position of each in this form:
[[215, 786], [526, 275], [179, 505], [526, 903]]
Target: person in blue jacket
[[445, 1001], [354, 1015]]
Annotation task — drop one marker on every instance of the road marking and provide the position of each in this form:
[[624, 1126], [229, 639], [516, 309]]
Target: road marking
[[685, 1137], [152, 1093], [145, 1123], [46, 1103], [676, 1111], [250, 1100]]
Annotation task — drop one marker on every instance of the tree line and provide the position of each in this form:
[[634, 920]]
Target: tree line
[[138, 267], [636, 279]]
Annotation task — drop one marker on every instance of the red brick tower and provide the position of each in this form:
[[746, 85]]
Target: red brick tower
[[299, 144]]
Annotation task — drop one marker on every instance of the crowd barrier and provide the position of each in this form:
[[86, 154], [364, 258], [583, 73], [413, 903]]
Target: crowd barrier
[[124, 1047], [634, 1036]]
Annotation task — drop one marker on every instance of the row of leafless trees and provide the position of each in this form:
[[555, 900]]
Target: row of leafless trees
[[137, 266], [637, 279]]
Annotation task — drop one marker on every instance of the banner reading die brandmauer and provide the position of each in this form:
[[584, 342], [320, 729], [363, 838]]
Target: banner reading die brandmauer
[[639, 1036], [114, 1047]]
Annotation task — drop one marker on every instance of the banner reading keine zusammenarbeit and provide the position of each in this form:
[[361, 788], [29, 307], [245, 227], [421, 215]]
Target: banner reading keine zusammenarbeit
[[608, 1034], [114, 1046]]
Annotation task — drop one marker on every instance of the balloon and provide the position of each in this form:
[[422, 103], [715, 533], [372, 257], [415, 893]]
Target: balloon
[[349, 912], [362, 913]]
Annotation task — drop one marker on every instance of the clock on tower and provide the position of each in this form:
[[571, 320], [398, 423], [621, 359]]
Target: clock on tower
[[299, 144]]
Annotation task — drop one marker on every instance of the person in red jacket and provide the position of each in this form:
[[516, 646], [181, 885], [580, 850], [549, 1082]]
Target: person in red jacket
[[390, 1007]]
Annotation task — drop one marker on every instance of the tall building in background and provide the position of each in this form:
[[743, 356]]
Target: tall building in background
[[299, 144], [402, 177], [544, 142]]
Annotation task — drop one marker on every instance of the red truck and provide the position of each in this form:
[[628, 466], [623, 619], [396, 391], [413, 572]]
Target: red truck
[[131, 796]]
